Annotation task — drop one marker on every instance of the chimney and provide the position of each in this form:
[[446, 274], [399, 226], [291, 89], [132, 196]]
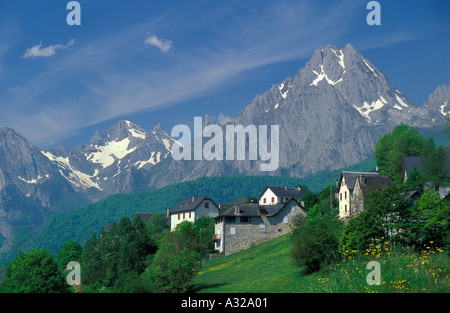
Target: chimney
[[219, 206], [168, 213], [302, 203], [362, 178], [299, 188], [237, 209], [285, 187], [193, 198]]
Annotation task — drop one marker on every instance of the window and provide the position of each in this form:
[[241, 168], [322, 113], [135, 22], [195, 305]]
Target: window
[[340, 195], [356, 208], [273, 200], [231, 219], [184, 216], [345, 194], [206, 205], [262, 225], [189, 214], [245, 219], [232, 230], [285, 220], [345, 208], [179, 215], [265, 200]]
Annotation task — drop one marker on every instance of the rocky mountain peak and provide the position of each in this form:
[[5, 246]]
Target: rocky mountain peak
[[438, 103]]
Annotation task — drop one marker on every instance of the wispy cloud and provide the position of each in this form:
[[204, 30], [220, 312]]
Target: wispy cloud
[[163, 45], [223, 119], [109, 76], [37, 50]]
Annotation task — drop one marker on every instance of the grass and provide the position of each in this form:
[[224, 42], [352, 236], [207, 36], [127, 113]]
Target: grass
[[268, 268], [263, 268]]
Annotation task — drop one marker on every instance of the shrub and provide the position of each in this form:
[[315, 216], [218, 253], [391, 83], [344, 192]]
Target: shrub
[[315, 239]]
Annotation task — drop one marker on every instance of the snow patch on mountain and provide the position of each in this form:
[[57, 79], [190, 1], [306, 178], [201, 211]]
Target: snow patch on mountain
[[137, 133], [373, 71], [368, 108], [340, 56], [77, 178], [154, 158], [322, 75], [33, 181], [401, 102], [441, 109], [107, 154]]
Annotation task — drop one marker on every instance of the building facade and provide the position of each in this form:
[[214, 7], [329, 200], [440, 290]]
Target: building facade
[[243, 226], [273, 195], [353, 188], [191, 209]]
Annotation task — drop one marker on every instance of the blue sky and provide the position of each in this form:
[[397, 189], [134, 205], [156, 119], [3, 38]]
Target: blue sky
[[167, 61]]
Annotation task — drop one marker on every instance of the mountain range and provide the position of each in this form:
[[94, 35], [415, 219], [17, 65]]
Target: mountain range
[[330, 115]]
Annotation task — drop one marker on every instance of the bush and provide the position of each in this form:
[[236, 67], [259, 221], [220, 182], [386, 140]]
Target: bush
[[315, 239], [178, 259]]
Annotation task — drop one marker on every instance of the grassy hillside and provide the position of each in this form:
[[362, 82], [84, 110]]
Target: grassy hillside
[[263, 268], [268, 268]]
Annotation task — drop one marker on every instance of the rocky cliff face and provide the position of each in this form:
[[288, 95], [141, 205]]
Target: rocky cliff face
[[330, 115], [438, 104], [31, 187]]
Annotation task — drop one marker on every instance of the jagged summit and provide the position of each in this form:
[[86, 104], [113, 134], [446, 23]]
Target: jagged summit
[[108, 163], [438, 103]]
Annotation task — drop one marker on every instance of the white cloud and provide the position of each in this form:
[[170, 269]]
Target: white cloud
[[37, 51], [163, 45], [223, 119]]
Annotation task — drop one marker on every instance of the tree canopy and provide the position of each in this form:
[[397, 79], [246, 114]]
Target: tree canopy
[[34, 272], [392, 147]]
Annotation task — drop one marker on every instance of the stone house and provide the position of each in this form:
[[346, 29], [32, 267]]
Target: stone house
[[191, 209], [353, 188], [243, 226], [272, 195]]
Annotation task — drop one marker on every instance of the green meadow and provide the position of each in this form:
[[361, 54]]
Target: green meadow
[[268, 268]]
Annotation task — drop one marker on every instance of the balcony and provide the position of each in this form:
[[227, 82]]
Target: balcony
[[216, 237]]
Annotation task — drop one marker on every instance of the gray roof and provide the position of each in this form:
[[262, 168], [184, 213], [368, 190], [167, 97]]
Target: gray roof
[[412, 161], [254, 209], [287, 192], [372, 182], [189, 204], [350, 178]]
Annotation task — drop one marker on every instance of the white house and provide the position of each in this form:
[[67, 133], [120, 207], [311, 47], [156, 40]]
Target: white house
[[272, 195], [352, 189], [191, 209]]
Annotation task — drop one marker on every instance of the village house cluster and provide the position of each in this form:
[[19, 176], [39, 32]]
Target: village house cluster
[[240, 226]]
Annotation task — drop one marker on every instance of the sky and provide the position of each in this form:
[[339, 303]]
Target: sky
[[167, 61]]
